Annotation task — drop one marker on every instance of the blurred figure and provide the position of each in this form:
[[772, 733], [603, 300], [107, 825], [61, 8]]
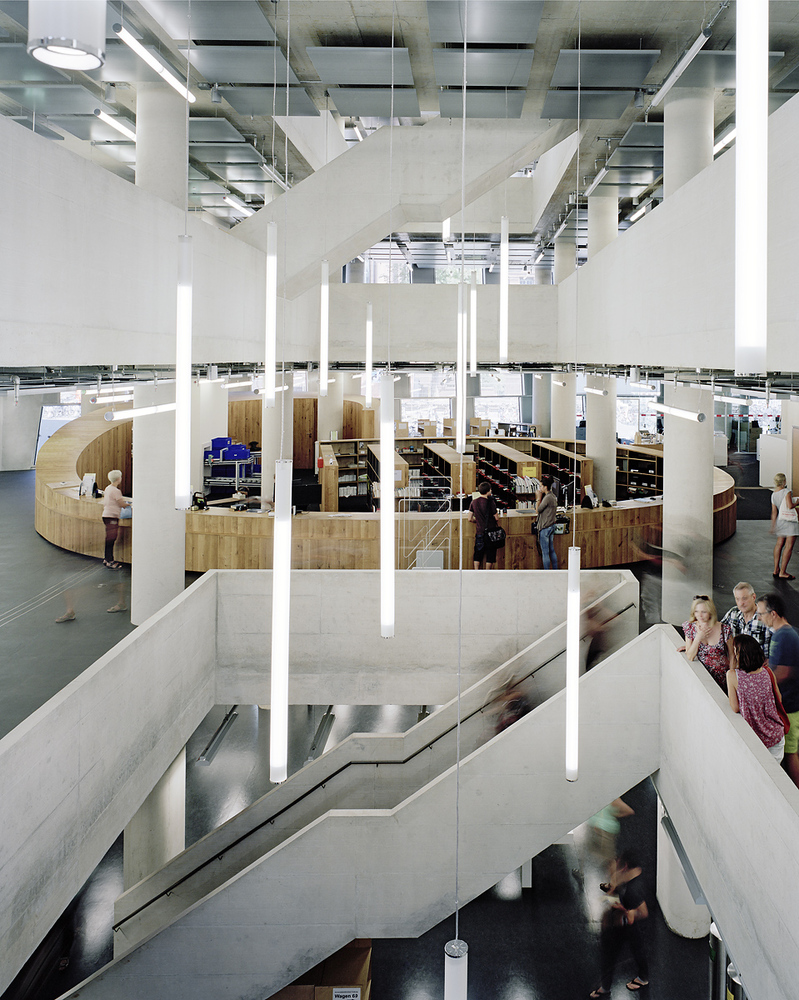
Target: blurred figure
[[605, 826], [708, 640], [743, 619], [597, 624], [621, 924], [753, 692], [784, 524], [511, 704]]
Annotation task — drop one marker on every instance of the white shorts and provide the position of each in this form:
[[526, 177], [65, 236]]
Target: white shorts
[[778, 750]]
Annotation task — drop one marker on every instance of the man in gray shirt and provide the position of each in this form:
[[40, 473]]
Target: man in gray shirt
[[784, 661]]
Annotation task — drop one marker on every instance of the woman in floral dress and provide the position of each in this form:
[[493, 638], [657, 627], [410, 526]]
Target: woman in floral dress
[[708, 640]]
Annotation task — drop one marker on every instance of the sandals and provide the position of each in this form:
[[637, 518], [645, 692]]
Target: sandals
[[68, 616], [636, 984], [599, 992], [112, 565], [116, 607], [788, 577]]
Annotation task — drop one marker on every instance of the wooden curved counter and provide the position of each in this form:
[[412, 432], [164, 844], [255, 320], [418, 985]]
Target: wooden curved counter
[[88, 444], [220, 538]]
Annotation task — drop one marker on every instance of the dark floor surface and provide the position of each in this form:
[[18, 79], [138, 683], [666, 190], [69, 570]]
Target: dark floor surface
[[524, 945]]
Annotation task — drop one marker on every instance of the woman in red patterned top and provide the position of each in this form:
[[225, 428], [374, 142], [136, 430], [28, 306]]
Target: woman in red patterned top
[[708, 640], [752, 693]]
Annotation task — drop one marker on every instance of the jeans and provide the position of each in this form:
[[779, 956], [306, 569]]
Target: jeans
[[547, 544]]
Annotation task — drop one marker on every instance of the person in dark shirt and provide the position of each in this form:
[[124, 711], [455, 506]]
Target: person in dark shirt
[[784, 662], [483, 512], [622, 924]]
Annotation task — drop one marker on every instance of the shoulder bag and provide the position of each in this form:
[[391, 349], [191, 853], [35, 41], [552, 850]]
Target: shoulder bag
[[496, 536], [787, 513]]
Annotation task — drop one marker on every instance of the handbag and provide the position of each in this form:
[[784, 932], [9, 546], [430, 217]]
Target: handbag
[[787, 513], [496, 536], [786, 722]]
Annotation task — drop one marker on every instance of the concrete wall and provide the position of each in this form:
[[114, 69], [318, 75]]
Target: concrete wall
[[377, 871], [75, 772], [337, 654], [667, 285], [737, 815], [89, 267], [19, 426]]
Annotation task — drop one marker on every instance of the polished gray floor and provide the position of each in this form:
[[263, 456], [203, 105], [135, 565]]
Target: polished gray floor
[[524, 945]]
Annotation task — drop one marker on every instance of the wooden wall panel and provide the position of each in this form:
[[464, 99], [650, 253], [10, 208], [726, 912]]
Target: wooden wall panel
[[110, 450], [305, 432], [244, 420]]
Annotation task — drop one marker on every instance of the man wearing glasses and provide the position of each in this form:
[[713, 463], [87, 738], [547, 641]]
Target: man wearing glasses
[[784, 661]]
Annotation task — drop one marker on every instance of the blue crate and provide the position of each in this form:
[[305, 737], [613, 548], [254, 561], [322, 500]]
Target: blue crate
[[217, 443]]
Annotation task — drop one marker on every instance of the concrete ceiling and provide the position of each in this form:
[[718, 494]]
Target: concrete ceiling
[[664, 26]]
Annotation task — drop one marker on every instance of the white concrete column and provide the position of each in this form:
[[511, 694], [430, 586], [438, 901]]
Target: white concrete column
[[542, 275], [600, 435], [687, 502], [681, 913], [208, 420], [161, 147], [603, 220], [542, 404], [564, 411], [277, 424], [158, 830], [159, 531], [330, 414], [356, 271], [565, 259], [687, 135]]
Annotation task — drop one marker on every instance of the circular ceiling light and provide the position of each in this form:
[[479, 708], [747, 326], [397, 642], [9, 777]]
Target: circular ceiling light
[[67, 35]]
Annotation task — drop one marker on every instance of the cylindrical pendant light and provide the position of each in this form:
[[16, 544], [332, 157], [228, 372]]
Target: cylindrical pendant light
[[503, 292], [281, 592], [460, 373], [270, 324], [69, 35], [140, 411], [369, 338], [387, 530], [183, 376], [751, 186], [324, 326], [572, 663], [473, 324], [456, 968]]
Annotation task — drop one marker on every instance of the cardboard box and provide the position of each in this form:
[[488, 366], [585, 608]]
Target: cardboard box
[[339, 977]]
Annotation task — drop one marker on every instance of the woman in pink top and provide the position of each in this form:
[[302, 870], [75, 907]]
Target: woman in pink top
[[113, 502], [752, 693]]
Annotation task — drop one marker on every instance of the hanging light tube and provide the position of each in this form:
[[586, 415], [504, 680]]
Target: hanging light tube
[[387, 529], [473, 324], [446, 231], [103, 400], [596, 181], [369, 336], [642, 385], [273, 175], [682, 66], [238, 385], [238, 204], [153, 62], [573, 663], [503, 291], [70, 36], [556, 381], [596, 392], [751, 186], [140, 411], [324, 327], [183, 376], [110, 120], [735, 400], [460, 374], [676, 411], [270, 325], [456, 968], [639, 212], [281, 607]]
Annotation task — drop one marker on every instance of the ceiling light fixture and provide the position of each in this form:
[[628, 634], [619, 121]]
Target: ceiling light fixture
[[682, 65], [596, 392], [369, 338], [141, 411], [572, 663], [281, 608], [216, 97], [270, 324], [596, 181], [676, 411], [183, 375], [556, 381], [239, 205], [324, 326], [67, 35], [387, 520], [114, 123], [153, 62], [503, 291], [273, 175], [723, 143]]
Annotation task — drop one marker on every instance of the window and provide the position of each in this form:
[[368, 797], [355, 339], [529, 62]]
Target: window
[[452, 275], [635, 413], [433, 383], [498, 409], [394, 272], [414, 410], [501, 384]]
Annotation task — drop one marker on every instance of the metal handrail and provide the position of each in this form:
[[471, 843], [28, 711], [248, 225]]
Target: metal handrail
[[352, 763]]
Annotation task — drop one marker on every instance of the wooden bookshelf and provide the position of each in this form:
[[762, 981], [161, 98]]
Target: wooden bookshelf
[[501, 465], [559, 459], [373, 470], [639, 471], [328, 478], [444, 461]]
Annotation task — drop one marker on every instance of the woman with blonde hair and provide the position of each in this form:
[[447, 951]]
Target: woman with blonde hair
[[113, 502], [708, 640], [784, 524]]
